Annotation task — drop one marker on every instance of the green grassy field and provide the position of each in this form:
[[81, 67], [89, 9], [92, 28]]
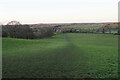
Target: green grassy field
[[69, 55]]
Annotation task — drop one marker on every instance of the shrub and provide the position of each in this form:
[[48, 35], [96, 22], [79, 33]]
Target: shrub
[[42, 32], [4, 33]]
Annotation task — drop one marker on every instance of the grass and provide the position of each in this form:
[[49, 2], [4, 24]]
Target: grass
[[69, 55]]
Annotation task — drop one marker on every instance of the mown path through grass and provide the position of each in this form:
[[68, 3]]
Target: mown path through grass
[[62, 56]]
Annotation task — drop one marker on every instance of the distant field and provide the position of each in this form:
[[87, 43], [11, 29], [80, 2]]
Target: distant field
[[111, 27], [84, 26], [90, 26], [70, 55]]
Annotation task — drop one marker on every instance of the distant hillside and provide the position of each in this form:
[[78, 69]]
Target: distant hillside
[[69, 24]]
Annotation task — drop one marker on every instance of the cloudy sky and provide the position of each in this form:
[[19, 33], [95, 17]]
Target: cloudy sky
[[58, 11]]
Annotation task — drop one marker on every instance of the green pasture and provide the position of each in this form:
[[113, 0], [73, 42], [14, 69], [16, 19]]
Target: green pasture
[[71, 55]]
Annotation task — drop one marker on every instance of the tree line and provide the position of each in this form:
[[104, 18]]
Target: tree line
[[26, 31]]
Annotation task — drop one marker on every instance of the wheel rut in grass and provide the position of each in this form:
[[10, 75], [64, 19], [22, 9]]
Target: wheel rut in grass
[[67, 62]]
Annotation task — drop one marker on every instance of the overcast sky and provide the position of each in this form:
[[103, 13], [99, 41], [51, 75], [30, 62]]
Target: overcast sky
[[56, 11]]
